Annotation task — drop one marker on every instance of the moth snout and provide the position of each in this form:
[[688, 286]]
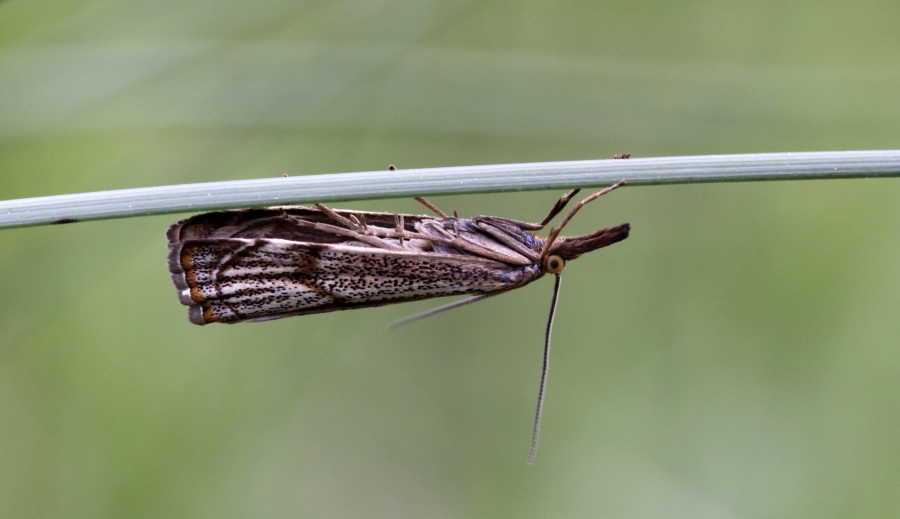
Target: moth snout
[[570, 247]]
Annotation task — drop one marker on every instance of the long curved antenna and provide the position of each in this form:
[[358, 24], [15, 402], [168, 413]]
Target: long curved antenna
[[540, 403], [429, 313]]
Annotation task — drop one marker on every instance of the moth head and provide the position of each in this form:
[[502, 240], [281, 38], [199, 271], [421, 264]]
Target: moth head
[[570, 247]]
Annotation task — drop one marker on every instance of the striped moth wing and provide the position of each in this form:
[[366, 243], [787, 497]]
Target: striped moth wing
[[261, 264]]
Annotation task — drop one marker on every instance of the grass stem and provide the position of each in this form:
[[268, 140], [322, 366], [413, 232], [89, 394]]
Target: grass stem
[[446, 181]]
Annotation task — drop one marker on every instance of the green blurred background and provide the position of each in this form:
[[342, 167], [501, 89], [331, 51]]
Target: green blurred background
[[738, 356]]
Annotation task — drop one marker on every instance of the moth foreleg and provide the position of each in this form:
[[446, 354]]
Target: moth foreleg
[[554, 233], [465, 245], [559, 206], [506, 239]]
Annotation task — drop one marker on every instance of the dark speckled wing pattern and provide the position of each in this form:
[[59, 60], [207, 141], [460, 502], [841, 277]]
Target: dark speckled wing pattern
[[261, 264], [225, 272]]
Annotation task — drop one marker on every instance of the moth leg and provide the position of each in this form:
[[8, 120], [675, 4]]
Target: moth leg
[[507, 240], [431, 206], [340, 231], [439, 309], [398, 220], [440, 230], [559, 206], [554, 233], [422, 201], [465, 245], [357, 222], [350, 224]]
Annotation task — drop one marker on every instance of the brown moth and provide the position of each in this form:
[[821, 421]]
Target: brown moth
[[260, 264]]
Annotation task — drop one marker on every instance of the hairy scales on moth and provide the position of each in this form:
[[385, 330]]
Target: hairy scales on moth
[[260, 264]]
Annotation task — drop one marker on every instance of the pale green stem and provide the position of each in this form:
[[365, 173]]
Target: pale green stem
[[446, 181]]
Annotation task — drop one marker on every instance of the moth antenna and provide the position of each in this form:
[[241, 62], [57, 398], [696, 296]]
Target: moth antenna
[[554, 233], [454, 214], [540, 403], [429, 313], [431, 206]]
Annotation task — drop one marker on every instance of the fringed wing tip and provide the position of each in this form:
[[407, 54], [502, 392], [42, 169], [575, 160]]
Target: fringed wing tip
[[173, 233], [184, 293], [195, 315], [178, 279], [175, 258], [195, 311]]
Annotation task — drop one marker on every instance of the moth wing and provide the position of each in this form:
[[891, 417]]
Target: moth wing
[[240, 279], [270, 222]]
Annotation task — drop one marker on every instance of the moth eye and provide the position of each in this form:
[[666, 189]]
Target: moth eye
[[554, 264]]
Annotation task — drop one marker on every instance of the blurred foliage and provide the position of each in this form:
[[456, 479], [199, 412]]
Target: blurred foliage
[[736, 357]]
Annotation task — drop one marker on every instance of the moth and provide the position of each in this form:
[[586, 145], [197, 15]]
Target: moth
[[259, 264]]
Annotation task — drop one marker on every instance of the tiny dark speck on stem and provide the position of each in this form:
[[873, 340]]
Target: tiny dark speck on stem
[[65, 220]]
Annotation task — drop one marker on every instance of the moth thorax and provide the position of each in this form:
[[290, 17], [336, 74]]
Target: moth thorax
[[554, 264]]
